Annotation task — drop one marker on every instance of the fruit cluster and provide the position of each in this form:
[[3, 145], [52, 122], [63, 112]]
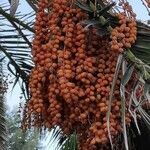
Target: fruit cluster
[[73, 73], [124, 35]]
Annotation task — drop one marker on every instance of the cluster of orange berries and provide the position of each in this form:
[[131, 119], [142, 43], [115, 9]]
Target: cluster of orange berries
[[93, 118], [72, 77], [124, 35]]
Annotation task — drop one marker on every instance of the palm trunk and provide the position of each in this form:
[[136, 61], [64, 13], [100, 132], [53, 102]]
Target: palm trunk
[[3, 130]]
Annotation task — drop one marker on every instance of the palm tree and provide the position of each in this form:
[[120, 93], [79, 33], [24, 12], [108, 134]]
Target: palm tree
[[3, 130], [17, 32], [18, 140]]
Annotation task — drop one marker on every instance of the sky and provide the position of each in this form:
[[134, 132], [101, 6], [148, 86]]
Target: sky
[[140, 10]]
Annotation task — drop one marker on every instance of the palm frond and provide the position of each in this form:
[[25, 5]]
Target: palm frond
[[134, 64], [14, 6], [54, 139], [100, 16], [15, 43], [118, 66], [142, 46], [32, 3], [70, 143], [14, 19]]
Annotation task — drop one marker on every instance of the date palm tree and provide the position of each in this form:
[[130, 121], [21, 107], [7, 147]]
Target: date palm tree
[[3, 130], [16, 33]]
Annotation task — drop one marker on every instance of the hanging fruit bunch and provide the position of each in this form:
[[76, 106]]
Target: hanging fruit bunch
[[75, 70]]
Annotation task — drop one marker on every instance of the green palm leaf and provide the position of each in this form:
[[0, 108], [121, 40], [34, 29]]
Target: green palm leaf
[[15, 44], [70, 143], [141, 49]]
